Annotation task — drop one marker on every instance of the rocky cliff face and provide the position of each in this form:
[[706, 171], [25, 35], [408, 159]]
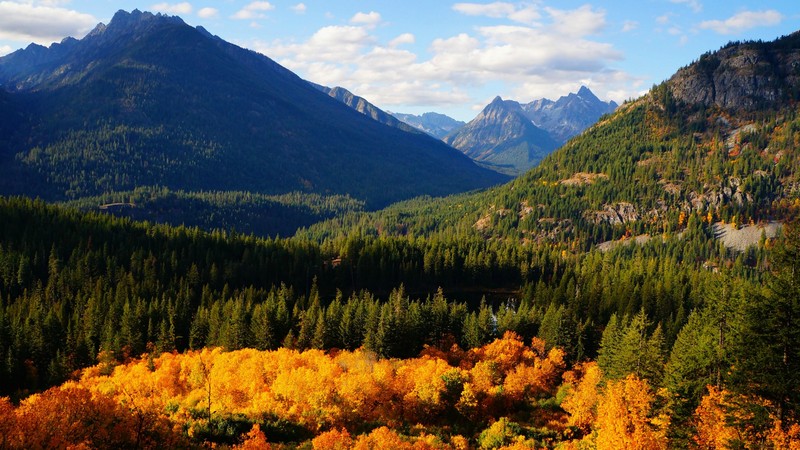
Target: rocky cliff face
[[747, 76]]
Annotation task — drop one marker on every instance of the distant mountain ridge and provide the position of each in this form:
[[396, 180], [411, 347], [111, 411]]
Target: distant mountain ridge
[[435, 124], [503, 138], [363, 106], [150, 101], [512, 138], [569, 115]]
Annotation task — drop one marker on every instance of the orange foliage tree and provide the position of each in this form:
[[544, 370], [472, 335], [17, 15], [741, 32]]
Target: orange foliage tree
[[624, 419]]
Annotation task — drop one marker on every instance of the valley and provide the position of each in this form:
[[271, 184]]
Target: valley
[[199, 248]]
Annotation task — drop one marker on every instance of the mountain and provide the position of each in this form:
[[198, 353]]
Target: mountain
[[150, 101], [435, 124], [569, 115], [749, 76], [361, 105], [713, 145], [503, 138]]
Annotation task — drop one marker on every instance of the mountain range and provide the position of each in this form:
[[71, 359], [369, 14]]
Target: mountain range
[[569, 115], [150, 101], [503, 138], [712, 144], [435, 124], [500, 137], [511, 137]]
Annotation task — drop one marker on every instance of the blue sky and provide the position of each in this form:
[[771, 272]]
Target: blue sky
[[447, 56]]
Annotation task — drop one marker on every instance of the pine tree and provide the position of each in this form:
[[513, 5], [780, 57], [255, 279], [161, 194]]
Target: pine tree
[[768, 349]]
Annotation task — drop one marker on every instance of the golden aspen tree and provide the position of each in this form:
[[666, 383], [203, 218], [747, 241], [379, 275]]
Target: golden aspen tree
[[624, 418]]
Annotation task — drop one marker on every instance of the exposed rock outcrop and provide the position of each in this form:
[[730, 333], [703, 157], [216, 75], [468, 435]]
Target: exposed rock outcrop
[[742, 75]]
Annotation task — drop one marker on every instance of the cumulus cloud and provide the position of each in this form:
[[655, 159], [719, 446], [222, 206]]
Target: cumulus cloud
[[369, 19], [578, 22], [551, 57], [208, 13], [173, 8], [41, 24], [694, 5], [743, 21], [332, 44], [299, 8], [253, 10], [405, 38], [5, 49]]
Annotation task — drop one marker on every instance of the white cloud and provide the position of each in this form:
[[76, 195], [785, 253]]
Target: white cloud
[[207, 13], [41, 24], [173, 8], [526, 14], [578, 22], [329, 44], [253, 10], [5, 49], [663, 20], [52, 2], [743, 21], [694, 5], [299, 8], [551, 57], [405, 38], [369, 19]]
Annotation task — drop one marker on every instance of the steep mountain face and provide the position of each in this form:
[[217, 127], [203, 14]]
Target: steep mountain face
[[361, 105], [150, 101], [435, 124], [503, 138], [569, 115], [751, 76]]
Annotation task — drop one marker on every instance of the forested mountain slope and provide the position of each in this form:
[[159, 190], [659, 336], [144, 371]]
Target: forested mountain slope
[[648, 167], [150, 101]]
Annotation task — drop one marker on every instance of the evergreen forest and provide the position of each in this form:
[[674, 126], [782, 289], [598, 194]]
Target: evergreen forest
[[639, 289]]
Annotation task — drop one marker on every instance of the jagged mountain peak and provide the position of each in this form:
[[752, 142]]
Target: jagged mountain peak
[[499, 107], [569, 115], [503, 138], [586, 93]]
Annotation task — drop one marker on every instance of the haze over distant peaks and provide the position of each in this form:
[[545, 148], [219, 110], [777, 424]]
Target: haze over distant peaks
[[435, 124]]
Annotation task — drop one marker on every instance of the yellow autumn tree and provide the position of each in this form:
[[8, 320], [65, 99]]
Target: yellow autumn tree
[[624, 417], [711, 420], [581, 402]]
